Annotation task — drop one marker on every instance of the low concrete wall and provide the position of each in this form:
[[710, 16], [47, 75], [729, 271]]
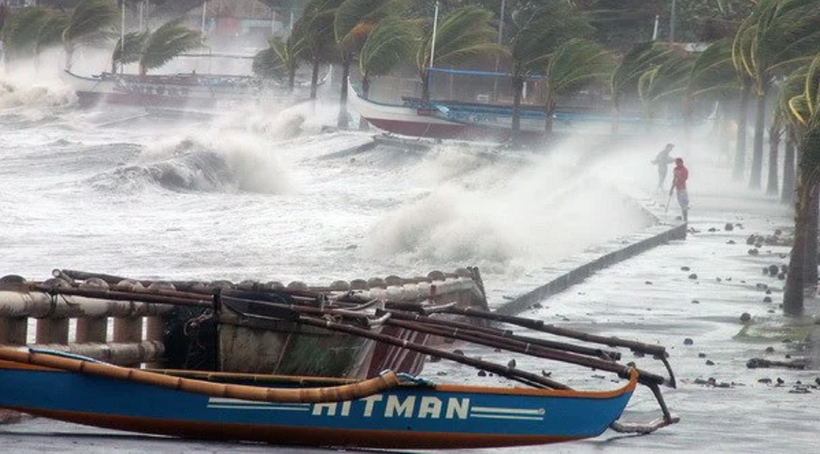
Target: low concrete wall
[[577, 275]]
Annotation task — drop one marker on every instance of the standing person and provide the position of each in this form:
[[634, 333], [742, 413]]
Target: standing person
[[662, 160], [680, 175]]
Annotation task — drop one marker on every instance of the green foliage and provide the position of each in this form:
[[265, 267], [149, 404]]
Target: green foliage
[[280, 59], [167, 42], [539, 29], [89, 21], [574, 65], [463, 33], [51, 33], [389, 45], [315, 29], [713, 74], [640, 59], [665, 80], [355, 19], [131, 50], [21, 31]]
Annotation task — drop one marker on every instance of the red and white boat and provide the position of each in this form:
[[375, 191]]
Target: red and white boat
[[439, 120]]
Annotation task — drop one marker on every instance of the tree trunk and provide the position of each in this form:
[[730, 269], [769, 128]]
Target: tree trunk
[[795, 278], [518, 87], [291, 79], [616, 117], [740, 152], [787, 196], [774, 145], [364, 125], [343, 121], [314, 77], [760, 127], [425, 87], [810, 261], [687, 119], [550, 110]]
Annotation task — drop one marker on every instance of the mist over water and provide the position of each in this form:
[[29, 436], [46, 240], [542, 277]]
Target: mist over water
[[261, 192]]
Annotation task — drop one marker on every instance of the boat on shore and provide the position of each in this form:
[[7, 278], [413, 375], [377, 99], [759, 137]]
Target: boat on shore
[[224, 327], [387, 411]]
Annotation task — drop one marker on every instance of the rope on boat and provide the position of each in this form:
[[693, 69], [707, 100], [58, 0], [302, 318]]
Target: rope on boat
[[364, 388]]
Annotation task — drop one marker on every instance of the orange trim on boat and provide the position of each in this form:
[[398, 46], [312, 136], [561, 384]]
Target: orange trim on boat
[[339, 393], [633, 381], [24, 366]]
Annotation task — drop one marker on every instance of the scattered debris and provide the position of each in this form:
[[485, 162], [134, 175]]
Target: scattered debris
[[745, 317], [688, 341]]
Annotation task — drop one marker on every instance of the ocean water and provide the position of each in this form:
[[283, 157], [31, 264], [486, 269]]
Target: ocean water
[[269, 193]]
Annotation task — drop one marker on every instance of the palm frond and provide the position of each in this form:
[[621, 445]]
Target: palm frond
[[354, 20], [388, 45], [129, 48], [51, 33], [576, 64], [167, 42], [462, 33], [89, 18], [22, 29]]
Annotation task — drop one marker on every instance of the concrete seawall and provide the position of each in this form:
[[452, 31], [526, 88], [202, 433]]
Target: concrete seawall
[[578, 274]]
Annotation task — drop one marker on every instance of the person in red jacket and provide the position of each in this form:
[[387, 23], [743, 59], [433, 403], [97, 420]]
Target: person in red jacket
[[680, 175]]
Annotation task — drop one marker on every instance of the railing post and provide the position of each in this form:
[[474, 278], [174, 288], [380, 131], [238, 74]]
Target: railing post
[[92, 329], [128, 329], [13, 331], [52, 331]]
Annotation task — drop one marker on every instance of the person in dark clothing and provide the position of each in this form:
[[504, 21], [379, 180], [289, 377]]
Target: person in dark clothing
[[662, 160]]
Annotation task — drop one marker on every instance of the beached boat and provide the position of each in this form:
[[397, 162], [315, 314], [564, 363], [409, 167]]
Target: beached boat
[[383, 412], [172, 91], [241, 328]]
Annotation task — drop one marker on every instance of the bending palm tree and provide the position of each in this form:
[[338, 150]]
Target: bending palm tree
[[712, 78], [662, 82], [281, 59], [635, 63], [355, 20], [129, 49], [387, 46], [88, 23], [574, 65], [315, 29], [801, 99], [21, 30], [167, 42], [462, 33], [776, 37], [537, 32]]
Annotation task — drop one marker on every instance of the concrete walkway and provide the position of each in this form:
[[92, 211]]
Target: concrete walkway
[[689, 295]]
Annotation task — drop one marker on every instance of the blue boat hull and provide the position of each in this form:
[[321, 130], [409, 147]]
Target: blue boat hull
[[408, 416]]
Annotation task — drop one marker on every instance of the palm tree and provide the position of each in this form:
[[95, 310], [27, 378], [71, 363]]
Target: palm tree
[[536, 32], [389, 45], [663, 81], [781, 33], [315, 29], [465, 32], [281, 59], [166, 43], [775, 132], [21, 31], [129, 49], [354, 20], [91, 21], [636, 62], [803, 106], [712, 78], [572, 66]]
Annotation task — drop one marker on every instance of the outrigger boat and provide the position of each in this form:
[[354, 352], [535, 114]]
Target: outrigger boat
[[387, 411]]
